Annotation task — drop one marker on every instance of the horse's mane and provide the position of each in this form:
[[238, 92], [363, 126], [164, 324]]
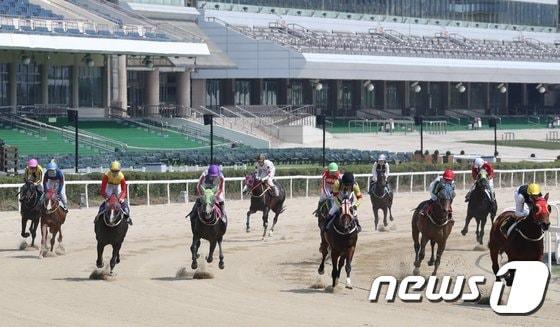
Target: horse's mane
[[447, 191]]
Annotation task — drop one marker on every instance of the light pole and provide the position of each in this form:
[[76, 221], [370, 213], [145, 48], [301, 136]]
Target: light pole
[[419, 121], [73, 117], [320, 120], [209, 120], [493, 122]]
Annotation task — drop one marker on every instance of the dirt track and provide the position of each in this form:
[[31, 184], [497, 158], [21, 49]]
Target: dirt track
[[264, 282]]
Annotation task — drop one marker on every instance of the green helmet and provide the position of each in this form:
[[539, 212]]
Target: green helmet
[[333, 167]]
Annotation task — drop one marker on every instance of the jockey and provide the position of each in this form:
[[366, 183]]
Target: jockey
[[34, 173], [54, 178], [525, 194], [479, 165], [346, 187], [113, 182], [265, 171], [330, 176], [448, 177], [380, 168], [210, 178]]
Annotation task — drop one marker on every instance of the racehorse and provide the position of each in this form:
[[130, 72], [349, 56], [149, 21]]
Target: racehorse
[[322, 213], [341, 235], [521, 240], [52, 218], [381, 199], [480, 206], [207, 222], [30, 197], [263, 199], [110, 228], [434, 221]]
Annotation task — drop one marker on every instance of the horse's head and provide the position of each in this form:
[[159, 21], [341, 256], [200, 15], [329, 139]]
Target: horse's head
[[50, 200], [248, 182], [445, 197], [113, 211], [346, 217], [208, 200], [541, 212], [28, 192]]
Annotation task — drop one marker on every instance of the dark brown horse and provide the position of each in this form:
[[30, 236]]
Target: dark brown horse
[[341, 236], [52, 218], [480, 206], [263, 199], [110, 228], [381, 199], [322, 213], [434, 221], [523, 239], [207, 222], [30, 197]]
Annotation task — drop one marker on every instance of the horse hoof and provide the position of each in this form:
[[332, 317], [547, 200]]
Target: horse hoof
[[198, 256], [25, 235], [194, 265], [430, 263], [209, 259], [221, 265], [99, 265], [464, 232], [348, 284], [247, 230], [118, 260], [391, 218], [416, 271], [321, 271]]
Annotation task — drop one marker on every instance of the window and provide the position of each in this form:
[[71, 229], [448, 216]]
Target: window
[[135, 87], [59, 85], [167, 88], [28, 84], [213, 93], [295, 93], [269, 94], [90, 87], [4, 85], [242, 92]]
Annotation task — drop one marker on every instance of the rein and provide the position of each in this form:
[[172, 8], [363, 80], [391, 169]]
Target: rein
[[530, 239], [344, 233], [262, 194], [211, 222]]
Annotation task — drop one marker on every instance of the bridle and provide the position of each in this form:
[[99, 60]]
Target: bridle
[[346, 211], [107, 210]]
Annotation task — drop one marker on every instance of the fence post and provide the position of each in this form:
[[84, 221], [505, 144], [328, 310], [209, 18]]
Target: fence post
[[499, 180], [464, 181], [544, 178], [411, 178], [424, 182], [87, 196], [397, 188], [291, 187], [523, 178], [148, 194], [187, 190], [534, 176], [168, 194], [511, 183], [307, 187], [241, 189], [556, 178]]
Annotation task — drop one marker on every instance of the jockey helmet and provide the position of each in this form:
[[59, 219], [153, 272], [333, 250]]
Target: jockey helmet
[[348, 179], [261, 157], [448, 175], [478, 162], [32, 163], [534, 189], [333, 167], [115, 166], [382, 157], [52, 166], [213, 171]]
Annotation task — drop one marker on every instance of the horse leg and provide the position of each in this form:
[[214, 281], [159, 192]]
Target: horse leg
[[482, 225], [334, 273], [390, 213], [116, 249], [385, 217], [477, 230], [24, 234], [44, 235], [33, 230], [341, 261], [274, 221], [415, 237], [53, 238], [349, 255], [194, 251], [431, 261], [210, 256], [494, 257], [265, 222], [375, 217], [221, 263], [324, 249], [440, 249], [100, 247], [421, 254], [465, 229], [249, 213]]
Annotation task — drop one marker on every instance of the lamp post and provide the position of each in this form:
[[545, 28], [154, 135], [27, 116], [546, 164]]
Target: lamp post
[[419, 121], [73, 118], [493, 122], [320, 120], [209, 120]]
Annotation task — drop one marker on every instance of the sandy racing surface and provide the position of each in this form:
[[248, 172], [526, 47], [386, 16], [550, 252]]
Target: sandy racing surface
[[264, 283]]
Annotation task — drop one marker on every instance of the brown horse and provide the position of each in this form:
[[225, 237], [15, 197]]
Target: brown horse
[[341, 236], [52, 218], [30, 198], [523, 239], [263, 199], [110, 228], [435, 223], [381, 199], [322, 213]]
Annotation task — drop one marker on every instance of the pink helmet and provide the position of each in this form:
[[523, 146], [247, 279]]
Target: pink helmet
[[32, 163]]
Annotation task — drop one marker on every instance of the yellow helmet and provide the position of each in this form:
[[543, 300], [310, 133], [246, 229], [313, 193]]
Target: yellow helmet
[[534, 189], [115, 166]]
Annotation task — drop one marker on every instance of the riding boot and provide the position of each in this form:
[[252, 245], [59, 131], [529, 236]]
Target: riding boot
[[358, 226], [223, 208], [126, 211], [468, 196], [326, 223], [276, 191]]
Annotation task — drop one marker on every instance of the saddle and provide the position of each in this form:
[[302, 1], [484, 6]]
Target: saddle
[[427, 208], [508, 225]]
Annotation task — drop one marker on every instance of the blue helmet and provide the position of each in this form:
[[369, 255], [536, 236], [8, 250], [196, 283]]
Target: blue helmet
[[52, 166]]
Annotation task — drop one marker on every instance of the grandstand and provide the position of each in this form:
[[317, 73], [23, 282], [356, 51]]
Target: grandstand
[[142, 73]]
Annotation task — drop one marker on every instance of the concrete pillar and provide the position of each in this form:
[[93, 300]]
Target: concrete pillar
[[406, 97], [45, 83], [122, 85], [152, 91], [488, 110], [524, 94], [384, 100], [184, 91], [357, 89], [106, 81], [198, 87], [282, 91], [12, 77], [307, 92], [256, 91], [228, 92], [76, 84]]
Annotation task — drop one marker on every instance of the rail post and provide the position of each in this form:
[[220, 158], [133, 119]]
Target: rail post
[[87, 196], [148, 194], [168, 194]]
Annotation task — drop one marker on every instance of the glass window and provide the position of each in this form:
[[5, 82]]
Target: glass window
[[320, 97], [394, 98], [478, 94], [459, 100], [90, 87], [167, 88], [344, 96], [368, 97], [269, 93], [28, 84], [295, 93], [135, 88], [242, 94], [4, 85], [59, 85], [213, 91]]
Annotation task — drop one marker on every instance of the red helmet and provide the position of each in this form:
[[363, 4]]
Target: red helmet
[[448, 175]]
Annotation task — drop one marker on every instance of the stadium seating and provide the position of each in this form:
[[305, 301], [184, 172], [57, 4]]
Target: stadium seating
[[22, 8], [392, 43]]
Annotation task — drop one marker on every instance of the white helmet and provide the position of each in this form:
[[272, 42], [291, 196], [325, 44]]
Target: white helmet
[[478, 162], [382, 157]]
